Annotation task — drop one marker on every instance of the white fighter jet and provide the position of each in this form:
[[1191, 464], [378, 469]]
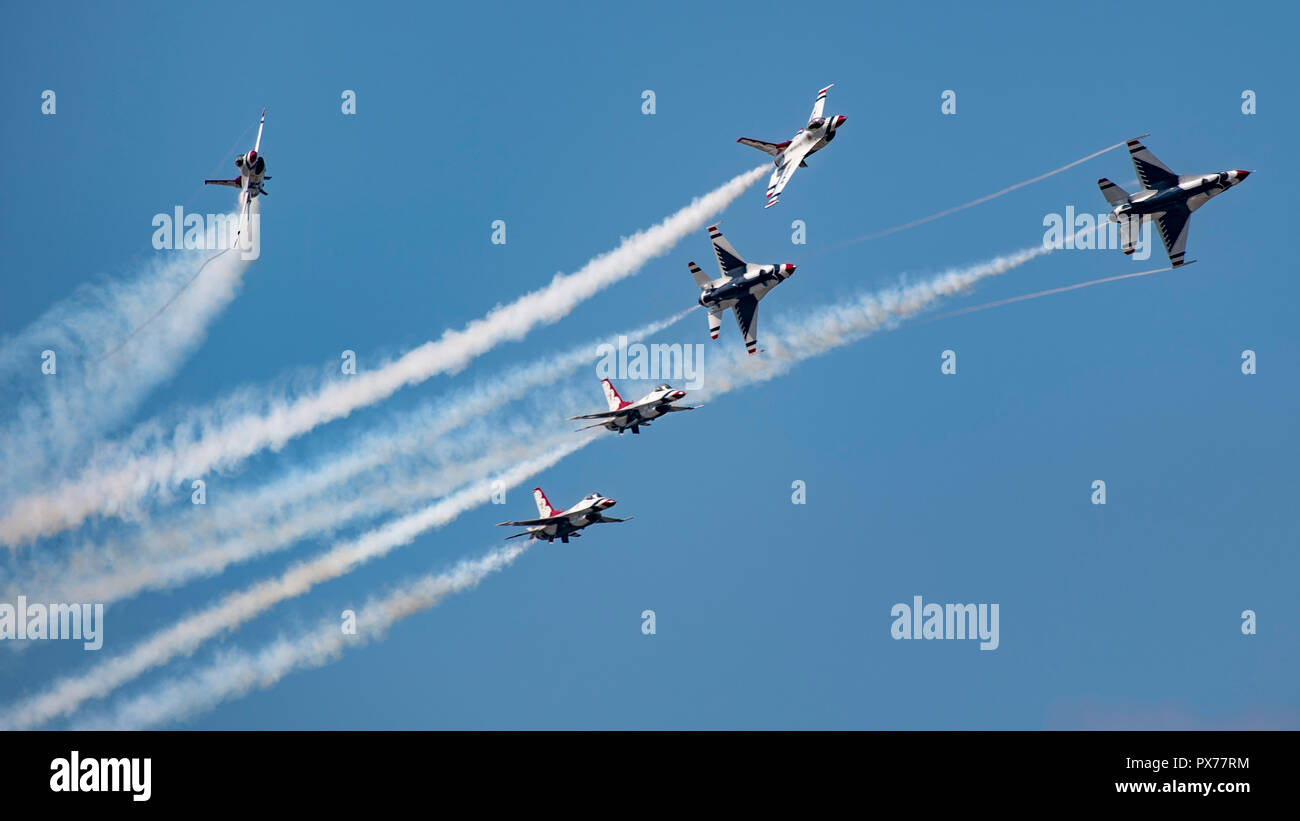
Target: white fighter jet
[[790, 155], [623, 416], [555, 524], [740, 287], [1166, 198], [252, 173]]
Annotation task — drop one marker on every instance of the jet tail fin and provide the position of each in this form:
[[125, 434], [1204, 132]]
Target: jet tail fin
[[1112, 192], [715, 324], [544, 509], [611, 396]]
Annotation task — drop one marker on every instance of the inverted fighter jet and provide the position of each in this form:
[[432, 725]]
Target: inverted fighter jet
[[623, 416], [1166, 198], [555, 524], [790, 155], [740, 287], [252, 171]]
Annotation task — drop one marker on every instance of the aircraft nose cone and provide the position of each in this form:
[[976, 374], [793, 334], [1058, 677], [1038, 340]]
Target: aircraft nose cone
[[678, 394], [839, 121], [608, 503], [1241, 175], [789, 269]]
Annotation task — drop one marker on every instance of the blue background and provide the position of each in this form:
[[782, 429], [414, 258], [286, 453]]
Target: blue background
[[967, 488]]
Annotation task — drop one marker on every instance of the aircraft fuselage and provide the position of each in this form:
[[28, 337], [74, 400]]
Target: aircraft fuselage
[[1192, 191], [756, 281]]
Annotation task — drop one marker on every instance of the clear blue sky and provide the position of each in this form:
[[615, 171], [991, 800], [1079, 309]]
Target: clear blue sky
[[966, 488]]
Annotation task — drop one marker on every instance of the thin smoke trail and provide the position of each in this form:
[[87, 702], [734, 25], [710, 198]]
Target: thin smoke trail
[[238, 672], [54, 416], [230, 675], [316, 499], [186, 635], [974, 202], [109, 490], [1050, 291]]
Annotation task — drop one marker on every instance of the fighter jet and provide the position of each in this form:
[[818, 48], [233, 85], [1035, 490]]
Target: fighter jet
[[790, 155], [740, 287], [1166, 198], [564, 524], [252, 168], [623, 416]]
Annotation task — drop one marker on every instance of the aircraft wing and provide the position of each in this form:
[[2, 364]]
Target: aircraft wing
[[728, 259], [766, 148], [820, 105], [237, 182], [1151, 172], [781, 176], [606, 414], [1173, 232], [747, 318], [610, 519], [550, 520]]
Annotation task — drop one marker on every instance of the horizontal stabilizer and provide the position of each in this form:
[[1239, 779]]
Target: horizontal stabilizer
[[700, 279], [715, 324], [1112, 192]]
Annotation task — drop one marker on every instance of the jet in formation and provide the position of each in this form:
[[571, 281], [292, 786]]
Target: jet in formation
[[553, 524], [740, 287], [624, 416], [1166, 198], [790, 155], [252, 173]]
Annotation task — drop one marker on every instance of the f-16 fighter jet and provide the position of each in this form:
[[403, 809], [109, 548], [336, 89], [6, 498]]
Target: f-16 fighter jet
[[740, 287], [252, 168], [1166, 198], [623, 416], [564, 524], [790, 155]]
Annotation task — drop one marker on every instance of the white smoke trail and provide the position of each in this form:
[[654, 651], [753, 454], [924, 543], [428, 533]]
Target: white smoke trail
[[187, 634], [184, 551], [237, 672], [795, 340], [319, 498], [836, 325], [235, 435], [55, 416], [234, 674]]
